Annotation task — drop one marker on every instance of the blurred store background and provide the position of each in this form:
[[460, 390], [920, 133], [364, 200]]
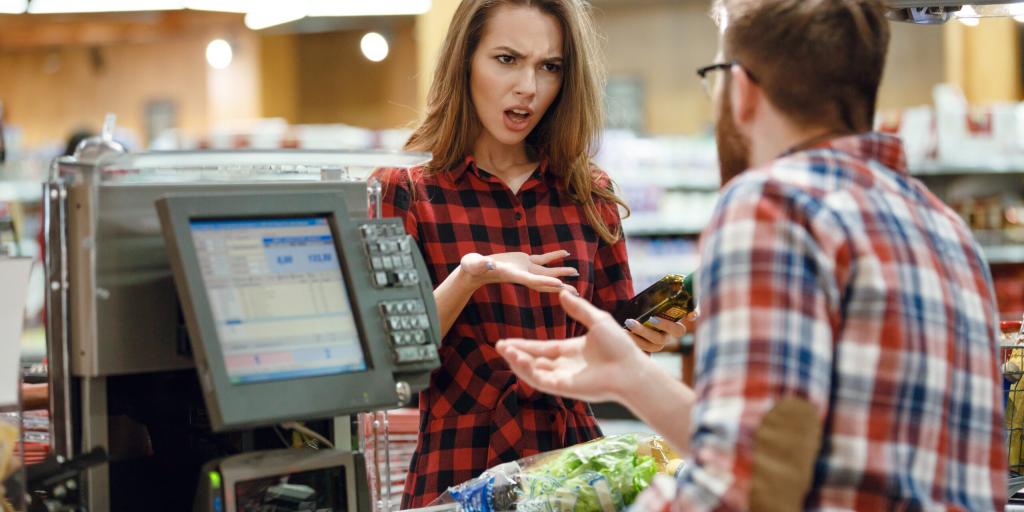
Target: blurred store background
[[183, 74]]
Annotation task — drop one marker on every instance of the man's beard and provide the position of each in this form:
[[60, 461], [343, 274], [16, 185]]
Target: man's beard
[[733, 146]]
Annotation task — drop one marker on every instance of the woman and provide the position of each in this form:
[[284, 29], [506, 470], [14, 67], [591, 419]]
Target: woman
[[508, 211]]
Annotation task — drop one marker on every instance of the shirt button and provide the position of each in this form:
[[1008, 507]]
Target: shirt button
[[519, 216], [552, 418]]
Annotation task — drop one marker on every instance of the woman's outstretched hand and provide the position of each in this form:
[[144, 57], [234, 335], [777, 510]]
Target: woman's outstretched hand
[[530, 270]]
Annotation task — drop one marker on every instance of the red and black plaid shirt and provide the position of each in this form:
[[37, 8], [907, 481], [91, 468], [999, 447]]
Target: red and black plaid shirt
[[476, 414]]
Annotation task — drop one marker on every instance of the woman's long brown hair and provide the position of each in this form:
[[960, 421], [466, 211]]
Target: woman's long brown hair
[[568, 134]]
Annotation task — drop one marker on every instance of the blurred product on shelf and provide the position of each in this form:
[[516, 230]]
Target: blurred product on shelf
[[1009, 286], [3, 147], [276, 133], [651, 258], [677, 161], [954, 135]]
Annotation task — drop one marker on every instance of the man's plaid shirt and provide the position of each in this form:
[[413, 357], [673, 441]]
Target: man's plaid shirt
[[833, 277]]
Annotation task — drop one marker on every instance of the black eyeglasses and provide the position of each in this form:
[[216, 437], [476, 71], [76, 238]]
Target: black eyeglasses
[[703, 72]]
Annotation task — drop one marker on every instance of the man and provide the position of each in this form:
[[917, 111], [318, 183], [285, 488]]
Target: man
[[846, 346]]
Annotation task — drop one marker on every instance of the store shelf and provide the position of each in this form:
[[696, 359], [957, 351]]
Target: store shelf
[[1004, 254], [660, 229], [669, 179], [935, 169], [673, 185]]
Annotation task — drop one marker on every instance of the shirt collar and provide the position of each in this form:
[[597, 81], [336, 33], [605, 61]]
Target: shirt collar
[[469, 164], [871, 146]]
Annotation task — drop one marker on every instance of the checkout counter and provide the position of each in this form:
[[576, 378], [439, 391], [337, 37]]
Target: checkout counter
[[209, 311]]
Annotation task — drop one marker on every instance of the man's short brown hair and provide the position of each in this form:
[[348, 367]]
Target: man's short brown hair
[[819, 61]]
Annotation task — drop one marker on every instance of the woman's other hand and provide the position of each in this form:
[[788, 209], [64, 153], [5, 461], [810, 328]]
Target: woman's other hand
[[656, 334]]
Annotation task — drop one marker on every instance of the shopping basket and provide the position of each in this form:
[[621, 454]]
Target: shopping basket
[[1011, 355]]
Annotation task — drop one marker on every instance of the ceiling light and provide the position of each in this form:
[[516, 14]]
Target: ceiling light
[[268, 13], [13, 6], [968, 16], [374, 46], [364, 8], [79, 6], [219, 54]]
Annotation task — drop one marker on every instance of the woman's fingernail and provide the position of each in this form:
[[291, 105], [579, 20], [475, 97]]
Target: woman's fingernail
[[653, 320], [567, 253], [632, 324], [575, 274], [489, 265]]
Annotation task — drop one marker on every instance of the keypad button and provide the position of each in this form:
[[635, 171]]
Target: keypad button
[[428, 352], [381, 278]]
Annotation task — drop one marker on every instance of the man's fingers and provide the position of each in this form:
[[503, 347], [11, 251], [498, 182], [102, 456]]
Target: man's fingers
[[545, 364], [582, 310], [522, 363], [548, 349], [546, 258]]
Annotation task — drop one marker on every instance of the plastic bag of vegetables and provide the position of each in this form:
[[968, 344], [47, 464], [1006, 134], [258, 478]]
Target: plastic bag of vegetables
[[603, 475]]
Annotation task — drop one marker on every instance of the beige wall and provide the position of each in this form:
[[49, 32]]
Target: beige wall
[[915, 65], [49, 93], [985, 60], [663, 43], [323, 78], [338, 84]]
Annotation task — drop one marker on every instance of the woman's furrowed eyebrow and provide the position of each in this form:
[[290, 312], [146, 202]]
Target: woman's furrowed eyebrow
[[517, 54], [509, 50]]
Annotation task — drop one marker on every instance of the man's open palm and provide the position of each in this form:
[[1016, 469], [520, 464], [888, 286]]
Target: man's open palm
[[592, 367]]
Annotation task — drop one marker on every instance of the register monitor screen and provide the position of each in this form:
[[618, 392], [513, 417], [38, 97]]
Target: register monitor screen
[[287, 316], [278, 298]]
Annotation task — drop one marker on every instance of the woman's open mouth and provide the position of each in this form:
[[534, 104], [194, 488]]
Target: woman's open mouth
[[517, 119]]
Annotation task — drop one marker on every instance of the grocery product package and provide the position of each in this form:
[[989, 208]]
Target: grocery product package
[[603, 475]]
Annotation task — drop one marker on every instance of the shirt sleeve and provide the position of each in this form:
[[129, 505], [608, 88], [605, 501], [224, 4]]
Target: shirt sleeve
[[613, 283], [767, 297], [396, 197]]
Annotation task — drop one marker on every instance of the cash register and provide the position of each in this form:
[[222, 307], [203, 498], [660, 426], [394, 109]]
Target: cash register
[[201, 305], [295, 311]]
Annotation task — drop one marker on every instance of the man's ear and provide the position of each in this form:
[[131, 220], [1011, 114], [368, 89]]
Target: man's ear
[[746, 96]]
